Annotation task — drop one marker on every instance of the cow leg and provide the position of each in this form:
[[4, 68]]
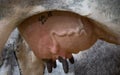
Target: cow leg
[[5, 30], [28, 62]]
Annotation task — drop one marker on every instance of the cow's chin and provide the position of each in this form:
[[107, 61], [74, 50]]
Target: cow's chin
[[55, 34]]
